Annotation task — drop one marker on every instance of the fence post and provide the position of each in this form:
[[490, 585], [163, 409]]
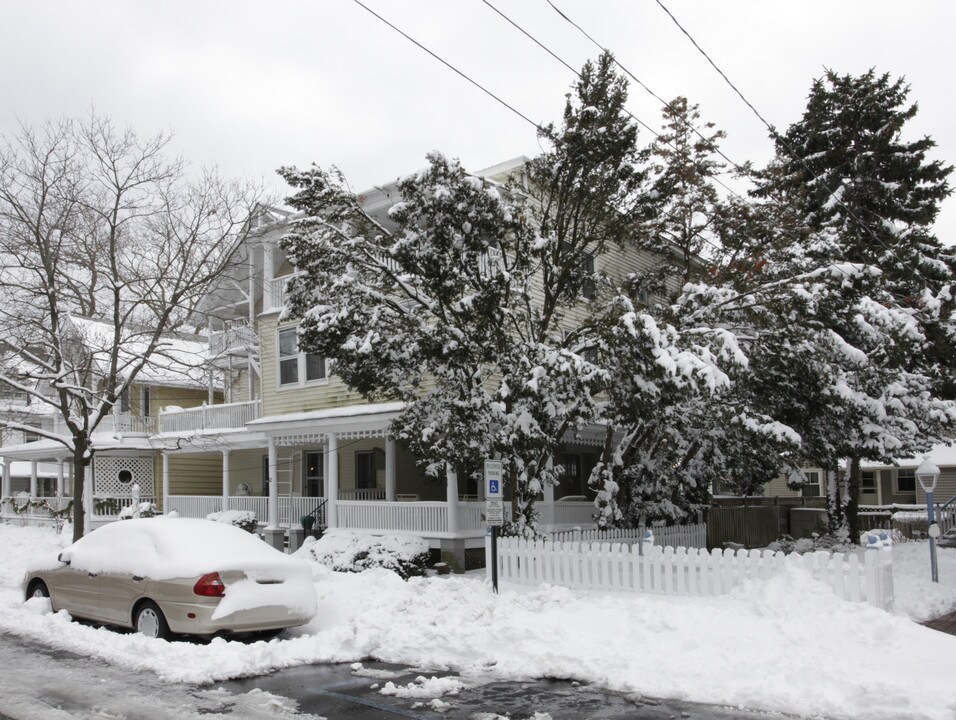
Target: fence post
[[871, 563], [647, 541], [576, 534]]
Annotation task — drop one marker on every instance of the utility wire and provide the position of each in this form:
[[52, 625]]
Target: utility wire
[[450, 66], [717, 150], [793, 153], [736, 166]]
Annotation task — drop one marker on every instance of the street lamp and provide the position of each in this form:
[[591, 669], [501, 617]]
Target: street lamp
[[927, 474]]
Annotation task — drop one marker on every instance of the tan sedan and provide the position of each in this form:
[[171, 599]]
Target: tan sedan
[[163, 576]]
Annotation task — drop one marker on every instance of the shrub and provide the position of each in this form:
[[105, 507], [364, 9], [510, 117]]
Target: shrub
[[245, 519], [346, 551], [143, 510]]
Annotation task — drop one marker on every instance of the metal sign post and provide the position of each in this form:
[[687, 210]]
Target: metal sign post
[[494, 512]]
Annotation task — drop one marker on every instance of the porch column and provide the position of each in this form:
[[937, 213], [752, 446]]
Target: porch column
[[225, 478], [451, 496], [390, 469], [5, 491], [268, 274], [332, 482], [88, 479], [273, 485], [33, 478], [59, 478], [165, 483]]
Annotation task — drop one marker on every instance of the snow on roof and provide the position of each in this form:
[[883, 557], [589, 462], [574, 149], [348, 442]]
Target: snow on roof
[[941, 455], [333, 413], [176, 362], [21, 468]]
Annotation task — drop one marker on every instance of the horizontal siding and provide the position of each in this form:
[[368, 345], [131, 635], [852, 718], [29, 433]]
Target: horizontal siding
[[331, 394], [195, 474]]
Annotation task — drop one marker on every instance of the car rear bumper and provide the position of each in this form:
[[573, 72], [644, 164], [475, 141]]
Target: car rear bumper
[[270, 617]]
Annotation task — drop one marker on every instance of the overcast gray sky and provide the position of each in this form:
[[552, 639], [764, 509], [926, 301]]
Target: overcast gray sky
[[250, 86]]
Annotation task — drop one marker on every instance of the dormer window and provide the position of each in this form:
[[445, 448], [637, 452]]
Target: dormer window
[[297, 368]]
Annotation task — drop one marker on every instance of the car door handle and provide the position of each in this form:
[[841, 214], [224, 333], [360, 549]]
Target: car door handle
[[137, 578], [92, 574]]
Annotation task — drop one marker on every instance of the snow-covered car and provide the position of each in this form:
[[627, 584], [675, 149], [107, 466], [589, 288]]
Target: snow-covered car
[[163, 576]]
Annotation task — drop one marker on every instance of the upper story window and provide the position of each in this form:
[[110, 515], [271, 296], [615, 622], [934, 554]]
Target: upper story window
[[906, 480], [297, 368]]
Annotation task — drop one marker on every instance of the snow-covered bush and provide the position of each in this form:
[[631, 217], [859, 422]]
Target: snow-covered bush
[[346, 551], [245, 519], [140, 510], [831, 542]]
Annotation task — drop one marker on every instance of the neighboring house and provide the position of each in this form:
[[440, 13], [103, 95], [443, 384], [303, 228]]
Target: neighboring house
[[287, 416], [883, 484], [124, 441]]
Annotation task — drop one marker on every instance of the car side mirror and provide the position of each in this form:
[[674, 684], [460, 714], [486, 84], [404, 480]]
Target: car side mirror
[[64, 557]]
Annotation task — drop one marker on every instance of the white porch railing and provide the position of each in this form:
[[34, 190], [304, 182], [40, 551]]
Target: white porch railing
[[361, 494], [415, 517], [471, 516], [231, 416], [32, 510], [276, 292], [119, 423], [291, 509], [237, 335], [109, 506]]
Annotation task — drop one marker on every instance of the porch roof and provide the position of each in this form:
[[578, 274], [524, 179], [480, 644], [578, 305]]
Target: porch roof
[[47, 449], [366, 418]]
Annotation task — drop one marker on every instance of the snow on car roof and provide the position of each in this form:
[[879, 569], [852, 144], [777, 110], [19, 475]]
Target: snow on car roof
[[166, 548]]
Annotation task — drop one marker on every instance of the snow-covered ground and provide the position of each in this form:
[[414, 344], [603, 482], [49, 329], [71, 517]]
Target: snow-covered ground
[[787, 644]]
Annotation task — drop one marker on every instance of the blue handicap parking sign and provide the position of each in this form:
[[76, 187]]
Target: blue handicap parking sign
[[493, 487]]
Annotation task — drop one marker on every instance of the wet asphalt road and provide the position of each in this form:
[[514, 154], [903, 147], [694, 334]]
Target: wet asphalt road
[[38, 683], [337, 692]]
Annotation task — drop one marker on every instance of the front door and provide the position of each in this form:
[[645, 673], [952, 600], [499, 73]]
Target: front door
[[314, 481]]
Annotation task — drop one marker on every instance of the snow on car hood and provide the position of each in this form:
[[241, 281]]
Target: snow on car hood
[[167, 548]]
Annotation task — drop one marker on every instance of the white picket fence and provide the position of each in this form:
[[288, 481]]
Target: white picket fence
[[688, 536], [683, 571]]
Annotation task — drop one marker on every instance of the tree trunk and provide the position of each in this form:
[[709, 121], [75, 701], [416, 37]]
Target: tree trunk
[[853, 499], [80, 463]]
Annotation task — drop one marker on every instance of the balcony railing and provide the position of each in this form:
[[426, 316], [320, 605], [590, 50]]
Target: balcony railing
[[237, 336], [120, 423], [232, 416], [275, 292]]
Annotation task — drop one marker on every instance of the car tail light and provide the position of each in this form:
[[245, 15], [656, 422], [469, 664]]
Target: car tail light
[[210, 585]]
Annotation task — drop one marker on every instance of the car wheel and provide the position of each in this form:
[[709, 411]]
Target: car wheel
[[150, 621], [37, 589]]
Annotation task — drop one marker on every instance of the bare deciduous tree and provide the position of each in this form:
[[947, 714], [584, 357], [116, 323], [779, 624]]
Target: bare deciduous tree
[[99, 222]]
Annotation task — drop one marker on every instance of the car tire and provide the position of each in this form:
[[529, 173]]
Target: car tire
[[149, 620], [37, 589]]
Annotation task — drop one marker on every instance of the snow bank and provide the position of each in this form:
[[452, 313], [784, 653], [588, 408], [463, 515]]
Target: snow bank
[[785, 645]]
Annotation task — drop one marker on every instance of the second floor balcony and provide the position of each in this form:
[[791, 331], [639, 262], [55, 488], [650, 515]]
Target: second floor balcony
[[230, 416]]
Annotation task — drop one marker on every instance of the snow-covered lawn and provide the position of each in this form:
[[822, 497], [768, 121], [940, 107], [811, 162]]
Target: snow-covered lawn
[[786, 645]]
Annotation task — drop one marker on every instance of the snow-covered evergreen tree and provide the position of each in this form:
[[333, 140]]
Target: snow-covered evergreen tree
[[685, 160], [879, 312]]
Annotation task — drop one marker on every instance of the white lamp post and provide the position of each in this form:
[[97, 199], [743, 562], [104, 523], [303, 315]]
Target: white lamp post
[[927, 474]]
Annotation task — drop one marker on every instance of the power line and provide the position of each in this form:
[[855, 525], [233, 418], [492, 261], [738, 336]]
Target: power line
[[793, 153], [450, 66], [739, 168]]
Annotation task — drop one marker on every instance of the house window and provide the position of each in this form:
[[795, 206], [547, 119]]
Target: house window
[[868, 482], [265, 475], [29, 437], [570, 479], [811, 488], [365, 469], [297, 368], [144, 402], [124, 399], [906, 480], [314, 470]]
